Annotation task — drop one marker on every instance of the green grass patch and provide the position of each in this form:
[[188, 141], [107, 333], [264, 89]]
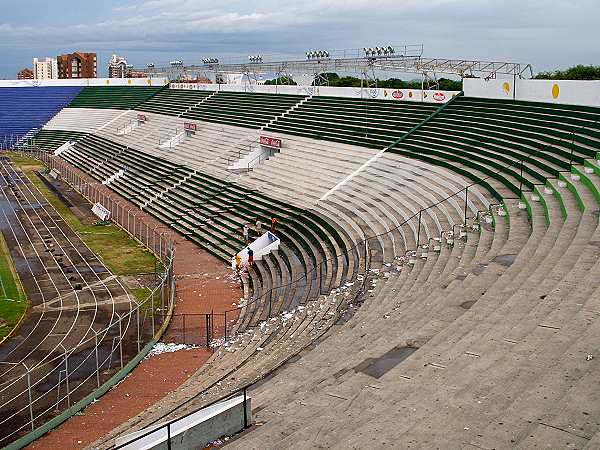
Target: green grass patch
[[143, 295], [25, 161], [118, 251], [13, 302]]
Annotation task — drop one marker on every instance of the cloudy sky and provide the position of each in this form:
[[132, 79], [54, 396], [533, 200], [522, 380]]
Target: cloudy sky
[[547, 33]]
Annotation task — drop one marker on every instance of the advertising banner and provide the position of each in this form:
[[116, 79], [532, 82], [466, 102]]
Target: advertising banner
[[270, 142], [86, 82], [188, 126], [573, 92], [101, 212], [497, 89], [410, 95]]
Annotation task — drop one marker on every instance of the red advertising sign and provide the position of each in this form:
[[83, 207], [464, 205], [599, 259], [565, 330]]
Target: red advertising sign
[[188, 126], [270, 142], [142, 118], [439, 96], [398, 94]]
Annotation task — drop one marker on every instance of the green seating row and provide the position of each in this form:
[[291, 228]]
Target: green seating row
[[516, 144], [173, 102], [363, 122], [50, 140], [249, 110], [113, 97]]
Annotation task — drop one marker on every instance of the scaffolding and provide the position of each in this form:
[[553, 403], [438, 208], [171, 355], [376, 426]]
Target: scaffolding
[[364, 62]]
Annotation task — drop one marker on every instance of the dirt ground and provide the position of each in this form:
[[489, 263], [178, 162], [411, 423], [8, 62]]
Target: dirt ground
[[154, 378], [204, 285]]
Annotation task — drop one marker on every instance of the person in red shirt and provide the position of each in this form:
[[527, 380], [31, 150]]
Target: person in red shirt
[[273, 224]]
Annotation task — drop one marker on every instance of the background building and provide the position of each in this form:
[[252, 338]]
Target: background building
[[44, 70], [77, 65], [25, 74], [117, 67]]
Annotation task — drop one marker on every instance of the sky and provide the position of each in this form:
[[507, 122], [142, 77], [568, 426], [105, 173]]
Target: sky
[[549, 34]]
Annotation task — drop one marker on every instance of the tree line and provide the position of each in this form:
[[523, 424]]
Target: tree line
[[334, 80], [579, 72]]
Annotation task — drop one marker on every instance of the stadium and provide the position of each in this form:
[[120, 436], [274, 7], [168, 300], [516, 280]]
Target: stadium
[[195, 259]]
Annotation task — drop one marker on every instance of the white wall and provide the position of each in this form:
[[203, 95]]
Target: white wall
[[572, 92], [86, 82], [413, 95], [497, 89], [562, 91]]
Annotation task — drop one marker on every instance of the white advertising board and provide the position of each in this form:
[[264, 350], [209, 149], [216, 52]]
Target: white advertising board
[[86, 82], [573, 92], [101, 212], [411, 95], [496, 89]]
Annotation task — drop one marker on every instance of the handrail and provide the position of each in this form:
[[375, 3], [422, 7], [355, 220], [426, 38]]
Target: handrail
[[347, 253], [212, 403], [366, 239], [259, 157], [168, 424]]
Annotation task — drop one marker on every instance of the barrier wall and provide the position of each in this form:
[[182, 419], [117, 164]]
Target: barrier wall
[[411, 95], [574, 92], [86, 82], [496, 89]]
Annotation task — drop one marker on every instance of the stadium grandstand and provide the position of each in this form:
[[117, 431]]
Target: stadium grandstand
[[419, 268]]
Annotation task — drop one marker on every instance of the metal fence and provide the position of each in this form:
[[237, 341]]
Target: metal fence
[[202, 329], [32, 394], [11, 141], [126, 215]]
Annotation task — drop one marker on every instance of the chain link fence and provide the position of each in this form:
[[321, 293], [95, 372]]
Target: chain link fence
[[31, 394]]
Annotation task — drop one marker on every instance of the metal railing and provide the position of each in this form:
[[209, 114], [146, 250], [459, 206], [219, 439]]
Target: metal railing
[[168, 425], [16, 141], [33, 394], [361, 251], [314, 282], [179, 136]]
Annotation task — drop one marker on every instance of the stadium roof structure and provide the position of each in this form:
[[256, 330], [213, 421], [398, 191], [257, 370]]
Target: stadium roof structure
[[365, 61]]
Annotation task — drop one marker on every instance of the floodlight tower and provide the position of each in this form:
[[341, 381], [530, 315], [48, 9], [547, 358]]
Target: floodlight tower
[[320, 59], [211, 66], [250, 72]]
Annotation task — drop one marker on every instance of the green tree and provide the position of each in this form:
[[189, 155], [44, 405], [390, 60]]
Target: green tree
[[346, 82], [331, 77], [450, 85], [579, 72], [414, 84], [391, 83], [281, 80]]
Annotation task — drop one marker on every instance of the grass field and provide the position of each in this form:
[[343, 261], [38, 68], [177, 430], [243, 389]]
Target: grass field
[[13, 303], [121, 254]]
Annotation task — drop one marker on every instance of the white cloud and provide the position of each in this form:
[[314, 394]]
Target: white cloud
[[548, 33]]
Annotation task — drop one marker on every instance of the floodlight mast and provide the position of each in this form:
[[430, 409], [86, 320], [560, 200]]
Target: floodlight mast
[[365, 61]]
